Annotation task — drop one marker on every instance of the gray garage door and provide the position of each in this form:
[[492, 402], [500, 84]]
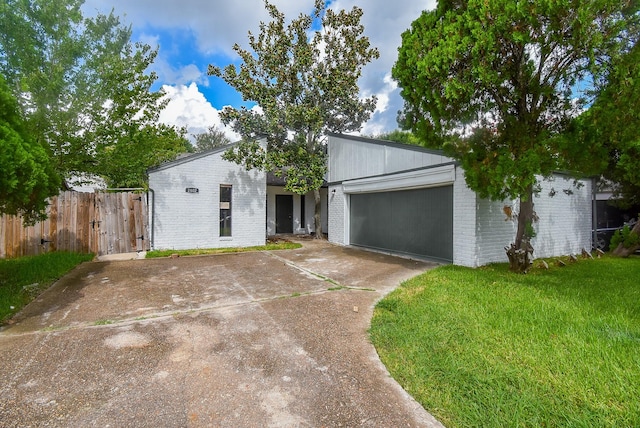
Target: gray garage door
[[413, 222]]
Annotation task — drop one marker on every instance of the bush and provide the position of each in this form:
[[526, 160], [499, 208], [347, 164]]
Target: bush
[[624, 236]]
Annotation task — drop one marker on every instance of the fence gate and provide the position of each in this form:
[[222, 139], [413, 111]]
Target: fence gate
[[99, 223]]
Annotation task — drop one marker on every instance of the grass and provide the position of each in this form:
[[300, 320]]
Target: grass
[[204, 251], [23, 279], [484, 347]]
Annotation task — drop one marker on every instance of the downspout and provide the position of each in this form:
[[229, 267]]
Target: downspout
[[594, 214], [153, 214]]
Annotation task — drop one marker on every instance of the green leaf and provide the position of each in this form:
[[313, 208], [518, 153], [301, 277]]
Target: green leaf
[[305, 82]]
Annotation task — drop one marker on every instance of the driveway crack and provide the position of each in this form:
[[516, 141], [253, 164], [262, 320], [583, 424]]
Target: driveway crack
[[305, 270]]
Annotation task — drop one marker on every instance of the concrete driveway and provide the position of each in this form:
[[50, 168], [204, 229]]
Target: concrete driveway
[[240, 340]]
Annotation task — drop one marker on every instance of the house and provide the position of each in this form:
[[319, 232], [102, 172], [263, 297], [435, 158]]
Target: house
[[609, 216], [414, 201], [380, 195], [204, 201]]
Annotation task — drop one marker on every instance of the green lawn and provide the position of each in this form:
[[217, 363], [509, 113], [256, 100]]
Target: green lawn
[[203, 251], [484, 347], [24, 278]]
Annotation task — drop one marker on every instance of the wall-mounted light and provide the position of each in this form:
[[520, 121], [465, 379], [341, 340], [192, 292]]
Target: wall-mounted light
[[333, 191]]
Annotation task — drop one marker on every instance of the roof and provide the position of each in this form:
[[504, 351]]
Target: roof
[[188, 157], [389, 143], [352, 162]]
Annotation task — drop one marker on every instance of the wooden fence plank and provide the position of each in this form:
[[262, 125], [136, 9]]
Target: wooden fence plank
[[99, 209], [74, 239], [93, 231], [125, 238], [116, 224], [13, 239], [16, 229], [144, 223], [81, 238], [131, 222], [141, 230], [53, 226], [99, 223], [3, 227], [122, 225]]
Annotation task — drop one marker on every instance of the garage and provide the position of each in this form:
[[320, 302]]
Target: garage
[[410, 200], [415, 222]]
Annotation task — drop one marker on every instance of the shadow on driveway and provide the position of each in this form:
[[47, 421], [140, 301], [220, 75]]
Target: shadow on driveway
[[234, 340]]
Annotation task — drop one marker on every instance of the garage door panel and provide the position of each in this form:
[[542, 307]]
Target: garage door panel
[[416, 222], [372, 228]]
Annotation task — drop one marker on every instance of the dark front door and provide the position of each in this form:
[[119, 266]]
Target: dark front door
[[284, 213]]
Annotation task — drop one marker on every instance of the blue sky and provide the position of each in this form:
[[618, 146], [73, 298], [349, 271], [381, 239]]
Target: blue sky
[[191, 34]]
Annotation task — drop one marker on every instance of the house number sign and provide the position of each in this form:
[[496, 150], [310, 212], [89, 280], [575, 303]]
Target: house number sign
[[192, 190]]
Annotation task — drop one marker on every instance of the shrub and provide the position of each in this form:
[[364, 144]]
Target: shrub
[[624, 236]]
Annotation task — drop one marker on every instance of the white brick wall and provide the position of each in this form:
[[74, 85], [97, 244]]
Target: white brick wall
[[564, 225], [493, 231], [464, 222], [480, 231], [192, 220], [565, 220], [337, 213]]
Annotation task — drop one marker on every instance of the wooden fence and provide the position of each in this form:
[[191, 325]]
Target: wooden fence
[[99, 223]]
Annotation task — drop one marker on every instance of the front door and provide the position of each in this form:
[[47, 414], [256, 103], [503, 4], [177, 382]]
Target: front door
[[284, 213]]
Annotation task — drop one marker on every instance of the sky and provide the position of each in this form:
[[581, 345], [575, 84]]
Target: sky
[[191, 34]]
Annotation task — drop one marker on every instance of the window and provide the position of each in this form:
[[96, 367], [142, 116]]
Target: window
[[225, 210], [303, 220]]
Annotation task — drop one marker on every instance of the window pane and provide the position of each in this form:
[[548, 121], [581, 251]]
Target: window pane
[[225, 210], [225, 193]]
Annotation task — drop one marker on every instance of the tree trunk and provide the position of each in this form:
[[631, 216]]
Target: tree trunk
[[520, 252], [317, 215], [621, 250]]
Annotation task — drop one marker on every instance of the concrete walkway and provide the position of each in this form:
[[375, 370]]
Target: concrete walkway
[[238, 340]]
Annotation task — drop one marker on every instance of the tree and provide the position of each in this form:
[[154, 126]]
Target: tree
[[127, 139], [27, 177], [211, 139], [494, 84], [306, 84], [612, 124], [124, 163], [81, 85], [400, 136]]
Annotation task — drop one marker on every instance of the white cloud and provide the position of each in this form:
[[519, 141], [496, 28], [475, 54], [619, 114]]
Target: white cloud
[[218, 24], [179, 75], [384, 23], [381, 120], [189, 108]]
